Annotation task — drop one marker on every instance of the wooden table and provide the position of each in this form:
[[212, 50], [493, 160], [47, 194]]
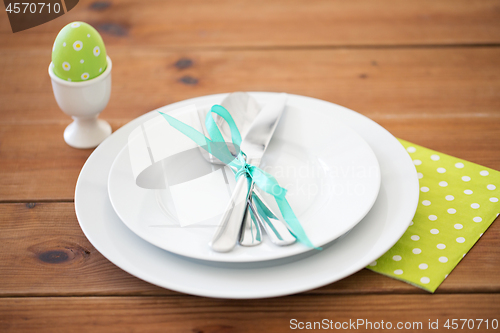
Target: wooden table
[[427, 70]]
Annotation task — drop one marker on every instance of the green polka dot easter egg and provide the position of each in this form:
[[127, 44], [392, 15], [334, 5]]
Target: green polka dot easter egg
[[78, 53]]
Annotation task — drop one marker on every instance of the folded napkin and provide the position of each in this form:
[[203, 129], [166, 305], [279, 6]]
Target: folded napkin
[[458, 202]]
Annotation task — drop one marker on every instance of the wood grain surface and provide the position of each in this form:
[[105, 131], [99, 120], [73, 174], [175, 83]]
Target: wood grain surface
[[452, 82], [277, 23], [195, 314], [428, 71]]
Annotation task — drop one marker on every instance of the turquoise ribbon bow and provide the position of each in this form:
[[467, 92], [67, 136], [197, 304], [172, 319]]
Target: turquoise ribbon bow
[[218, 148]]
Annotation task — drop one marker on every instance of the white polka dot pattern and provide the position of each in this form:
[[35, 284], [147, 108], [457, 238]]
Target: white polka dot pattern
[[458, 202], [81, 47]]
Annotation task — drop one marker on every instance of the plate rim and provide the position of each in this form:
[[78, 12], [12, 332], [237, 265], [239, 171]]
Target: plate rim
[[131, 267]]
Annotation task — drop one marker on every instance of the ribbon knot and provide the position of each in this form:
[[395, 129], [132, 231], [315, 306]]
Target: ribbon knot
[[244, 170], [217, 146], [243, 167]]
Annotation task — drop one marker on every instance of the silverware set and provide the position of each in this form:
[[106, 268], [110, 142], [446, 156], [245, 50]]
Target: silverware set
[[247, 212]]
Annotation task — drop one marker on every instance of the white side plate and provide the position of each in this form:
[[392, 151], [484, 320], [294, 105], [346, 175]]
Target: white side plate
[[331, 174]]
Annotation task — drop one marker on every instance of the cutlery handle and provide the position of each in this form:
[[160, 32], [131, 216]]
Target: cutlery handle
[[276, 229], [251, 233], [227, 234]]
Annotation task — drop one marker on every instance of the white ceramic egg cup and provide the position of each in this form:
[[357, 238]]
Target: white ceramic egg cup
[[84, 101]]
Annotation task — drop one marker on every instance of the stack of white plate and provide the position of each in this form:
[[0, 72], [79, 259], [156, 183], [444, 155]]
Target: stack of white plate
[[351, 183]]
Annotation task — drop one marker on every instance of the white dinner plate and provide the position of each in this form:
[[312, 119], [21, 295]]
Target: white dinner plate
[[373, 236], [331, 173]]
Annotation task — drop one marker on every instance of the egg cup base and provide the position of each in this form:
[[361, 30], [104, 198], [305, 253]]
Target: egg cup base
[[86, 133]]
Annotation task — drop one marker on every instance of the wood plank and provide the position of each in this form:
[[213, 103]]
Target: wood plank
[[35, 162], [45, 253], [281, 23], [414, 83], [194, 314], [468, 138], [37, 165]]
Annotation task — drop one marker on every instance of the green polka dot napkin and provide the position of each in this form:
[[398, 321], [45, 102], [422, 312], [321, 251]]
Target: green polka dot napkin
[[458, 202]]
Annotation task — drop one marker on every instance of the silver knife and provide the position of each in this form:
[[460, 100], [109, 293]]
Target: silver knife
[[253, 145]]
